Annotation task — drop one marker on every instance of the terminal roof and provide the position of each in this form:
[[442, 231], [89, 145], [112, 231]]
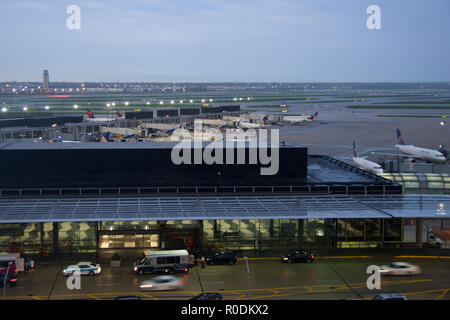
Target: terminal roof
[[21, 210]]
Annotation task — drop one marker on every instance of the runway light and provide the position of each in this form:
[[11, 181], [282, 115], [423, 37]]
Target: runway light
[[161, 102], [25, 108], [191, 101], [108, 105], [113, 104], [46, 107], [75, 106], [442, 123], [4, 109], [127, 103]]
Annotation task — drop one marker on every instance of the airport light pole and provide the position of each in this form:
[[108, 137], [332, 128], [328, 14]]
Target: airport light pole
[[5, 280], [248, 272]]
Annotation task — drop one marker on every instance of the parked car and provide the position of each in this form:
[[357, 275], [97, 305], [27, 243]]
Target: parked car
[[221, 258], [299, 256], [400, 269], [162, 283], [390, 296], [86, 268], [208, 296], [11, 281]]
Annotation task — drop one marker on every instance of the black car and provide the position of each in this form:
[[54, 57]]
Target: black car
[[208, 296], [299, 256], [221, 258], [10, 282]]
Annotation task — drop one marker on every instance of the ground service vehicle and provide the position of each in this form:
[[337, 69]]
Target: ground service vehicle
[[168, 261]]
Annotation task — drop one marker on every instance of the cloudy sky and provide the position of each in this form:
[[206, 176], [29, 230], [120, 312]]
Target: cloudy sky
[[225, 40]]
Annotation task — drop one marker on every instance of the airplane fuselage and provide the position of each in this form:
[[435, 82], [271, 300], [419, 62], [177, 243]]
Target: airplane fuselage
[[296, 119], [367, 165], [421, 153]]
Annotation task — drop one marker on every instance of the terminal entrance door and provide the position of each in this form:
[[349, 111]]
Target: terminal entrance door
[[129, 241]]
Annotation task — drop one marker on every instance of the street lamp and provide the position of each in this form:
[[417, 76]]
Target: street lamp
[[248, 273], [5, 279]]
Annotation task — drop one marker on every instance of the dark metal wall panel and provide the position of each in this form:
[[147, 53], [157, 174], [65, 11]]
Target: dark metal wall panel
[[189, 111], [135, 115], [109, 167], [167, 112]]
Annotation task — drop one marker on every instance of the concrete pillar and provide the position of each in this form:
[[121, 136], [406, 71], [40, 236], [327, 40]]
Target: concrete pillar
[[55, 239], [419, 231], [199, 242], [41, 233], [300, 224]]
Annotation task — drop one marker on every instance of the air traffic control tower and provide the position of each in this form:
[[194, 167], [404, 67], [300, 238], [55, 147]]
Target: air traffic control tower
[[62, 198]]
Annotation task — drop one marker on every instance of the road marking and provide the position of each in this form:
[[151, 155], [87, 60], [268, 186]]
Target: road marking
[[242, 293], [442, 294], [345, 257], [149, 296], [424, 257]]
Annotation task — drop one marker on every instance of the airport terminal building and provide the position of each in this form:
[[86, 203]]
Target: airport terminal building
[[58, 198]]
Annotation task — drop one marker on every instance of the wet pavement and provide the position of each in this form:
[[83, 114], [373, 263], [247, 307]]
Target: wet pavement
[[337, 277]]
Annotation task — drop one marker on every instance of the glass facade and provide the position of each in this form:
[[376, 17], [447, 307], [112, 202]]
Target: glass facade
[[421, 183], [79, 237]]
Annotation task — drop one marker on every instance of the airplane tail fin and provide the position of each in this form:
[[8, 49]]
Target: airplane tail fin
[[90, 114], [316, 114], [400, 137], [264, 120], [355, 154]]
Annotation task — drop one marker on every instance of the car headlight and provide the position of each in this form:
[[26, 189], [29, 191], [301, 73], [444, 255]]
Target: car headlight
[[135, 268]]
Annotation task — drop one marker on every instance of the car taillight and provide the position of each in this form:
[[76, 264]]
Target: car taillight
[[312, 256], [13, 279]]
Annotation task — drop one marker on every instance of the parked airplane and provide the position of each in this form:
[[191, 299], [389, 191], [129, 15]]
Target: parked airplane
[[412, 152], [416, 152], [248, 125], [363, 163], [299, 119]]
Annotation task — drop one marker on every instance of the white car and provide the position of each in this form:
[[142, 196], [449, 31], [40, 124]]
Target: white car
[[86, 268], [162, 283], [400, 269]]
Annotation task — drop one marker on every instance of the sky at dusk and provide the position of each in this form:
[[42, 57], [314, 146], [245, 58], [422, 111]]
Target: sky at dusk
[[225, 40]]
